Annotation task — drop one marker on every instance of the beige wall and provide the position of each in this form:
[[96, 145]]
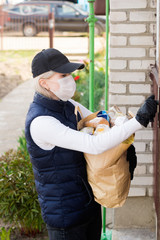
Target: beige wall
[[132, 50]]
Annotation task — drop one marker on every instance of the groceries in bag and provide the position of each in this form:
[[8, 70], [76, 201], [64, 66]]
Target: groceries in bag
[[108, 172]]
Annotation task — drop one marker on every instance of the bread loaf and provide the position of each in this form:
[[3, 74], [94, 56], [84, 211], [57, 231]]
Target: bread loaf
[[96, 121]]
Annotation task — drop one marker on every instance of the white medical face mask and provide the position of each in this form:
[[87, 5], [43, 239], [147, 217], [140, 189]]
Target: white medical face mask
[[67, 88]]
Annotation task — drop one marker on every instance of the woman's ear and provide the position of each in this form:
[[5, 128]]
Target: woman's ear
[[43, 83]]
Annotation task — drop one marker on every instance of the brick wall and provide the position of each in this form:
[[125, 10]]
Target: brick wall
[[132, 50]]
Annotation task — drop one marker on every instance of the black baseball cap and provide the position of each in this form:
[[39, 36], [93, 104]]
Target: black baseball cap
[[52, 59]]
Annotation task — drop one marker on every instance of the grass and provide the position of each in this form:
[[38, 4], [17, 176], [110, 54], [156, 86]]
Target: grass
[[29, 54], [17, 54]]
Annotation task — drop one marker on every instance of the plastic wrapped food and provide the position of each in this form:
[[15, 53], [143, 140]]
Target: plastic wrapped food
[[96, 121], [89, 130], [113, 113], [101, 128]]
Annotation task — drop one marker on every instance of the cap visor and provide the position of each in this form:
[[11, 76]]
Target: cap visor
[[69, 67]]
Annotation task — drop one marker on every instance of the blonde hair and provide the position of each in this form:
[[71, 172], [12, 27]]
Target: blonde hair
[[39, 88]]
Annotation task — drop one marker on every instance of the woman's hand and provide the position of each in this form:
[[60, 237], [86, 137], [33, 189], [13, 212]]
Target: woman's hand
[[147, 111]]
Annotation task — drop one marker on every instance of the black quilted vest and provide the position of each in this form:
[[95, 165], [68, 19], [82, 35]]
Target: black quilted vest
[[64, 194]]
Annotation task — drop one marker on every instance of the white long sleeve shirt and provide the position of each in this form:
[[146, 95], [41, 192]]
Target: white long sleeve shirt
[[48, 132]]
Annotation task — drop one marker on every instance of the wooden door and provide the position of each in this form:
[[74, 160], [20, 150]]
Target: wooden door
[[156, 147]]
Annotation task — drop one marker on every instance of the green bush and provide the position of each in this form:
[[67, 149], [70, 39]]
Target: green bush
[[5, 234], [18, 196], [82, 92]]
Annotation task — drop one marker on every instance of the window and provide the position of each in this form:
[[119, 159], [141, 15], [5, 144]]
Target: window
[[16, 9], [38, 9], [65, 10], [26, 9], [33, 9]]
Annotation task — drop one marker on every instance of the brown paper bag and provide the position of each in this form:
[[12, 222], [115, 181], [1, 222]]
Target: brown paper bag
[[109, 176], [108, 172]]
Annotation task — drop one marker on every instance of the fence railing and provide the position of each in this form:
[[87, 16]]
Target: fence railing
[[20, 24]]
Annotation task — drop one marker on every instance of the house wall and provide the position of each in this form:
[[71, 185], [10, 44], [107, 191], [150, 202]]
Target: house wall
[[131, 51]]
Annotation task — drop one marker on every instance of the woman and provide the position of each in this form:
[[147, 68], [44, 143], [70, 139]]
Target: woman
[[56, 149]]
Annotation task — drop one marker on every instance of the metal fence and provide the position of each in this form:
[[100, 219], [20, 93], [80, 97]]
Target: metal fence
[[26, 27]]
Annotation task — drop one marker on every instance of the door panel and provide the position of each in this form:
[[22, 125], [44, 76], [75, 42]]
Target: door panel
[[156, 148], [68, 19]]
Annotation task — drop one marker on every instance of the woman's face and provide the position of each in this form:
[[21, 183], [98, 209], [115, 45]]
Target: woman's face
[[52, 83]]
